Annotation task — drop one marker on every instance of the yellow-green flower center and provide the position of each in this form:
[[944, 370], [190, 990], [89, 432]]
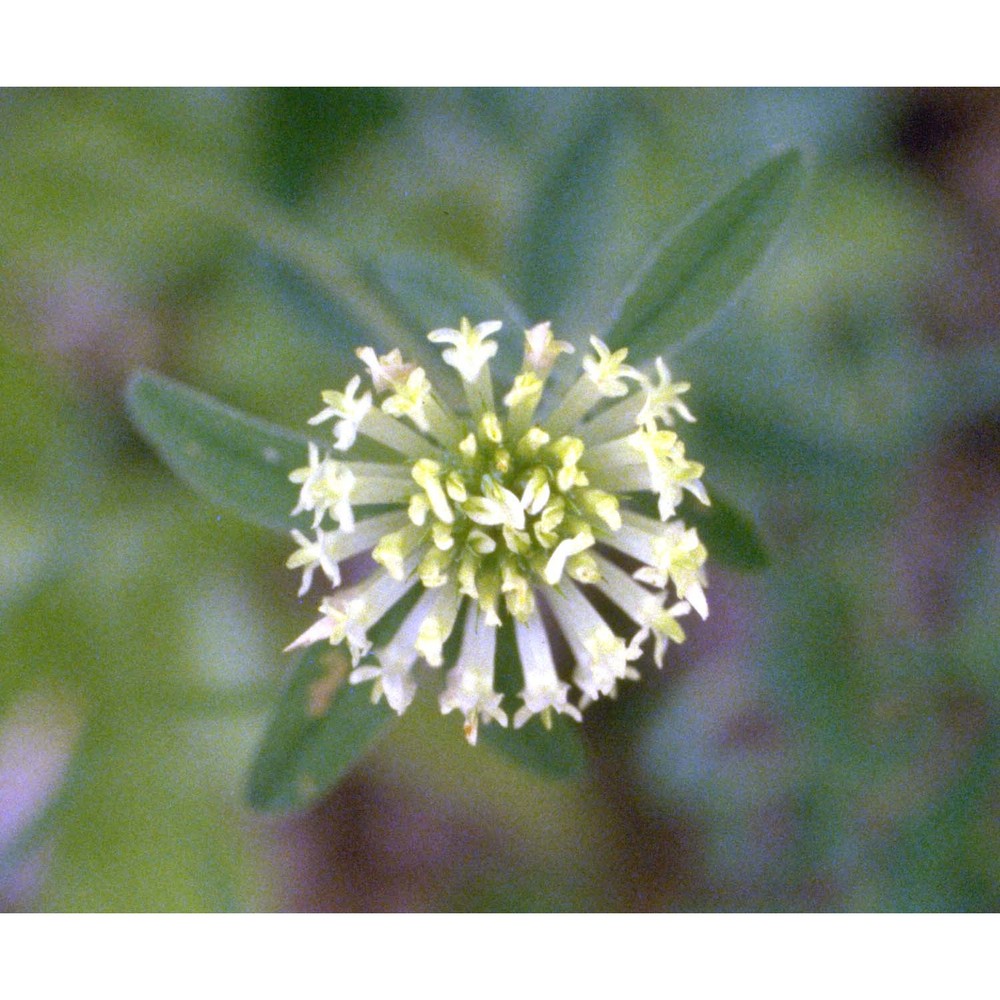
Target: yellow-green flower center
[[503, 511]]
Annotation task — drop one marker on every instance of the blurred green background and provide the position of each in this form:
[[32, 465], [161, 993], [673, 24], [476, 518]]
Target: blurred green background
[[827, 740]]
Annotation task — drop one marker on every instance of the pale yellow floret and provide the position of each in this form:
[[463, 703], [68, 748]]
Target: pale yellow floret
[[498, 506], [663, 624], [312, 554], [326, 486], [455, 487], [606, 662], [518, 594], [491, 428], [443, 536], [536, 492], [410, 399], [569, 451], [388, 371], [349, 409], [437, 626], [583, 567], [393, 549], [533, 441], [427, 475], [543, 692], [467, 569], [488, 585], [467, 446], [522, 400], [678, 557], [419, 508], [516, 541], [541, 349], [470, 349], [566, 548], [480, 543], [347, 622], [433, 567], [609, 371], [662, 399], [527, 388], [551, 518], [602, 505], [469, 686]]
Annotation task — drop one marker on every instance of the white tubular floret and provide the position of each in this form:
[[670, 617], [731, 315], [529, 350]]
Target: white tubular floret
[[543, 692], [470, 682], [602, 658], [439, 615]]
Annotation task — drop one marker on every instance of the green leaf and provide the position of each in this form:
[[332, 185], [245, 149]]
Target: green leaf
[[945, 861], [554, 753], [729, 534], [432, 291], [572, 218], [233, 459], [700, 268], [321, 309], [302, 132], [322, 724], [320, 729], [316, 311]]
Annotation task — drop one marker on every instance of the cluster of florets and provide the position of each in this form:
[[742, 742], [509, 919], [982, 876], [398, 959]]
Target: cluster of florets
[[496, 511]]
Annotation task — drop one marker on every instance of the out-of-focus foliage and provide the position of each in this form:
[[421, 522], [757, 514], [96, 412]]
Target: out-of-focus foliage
[[827, 740]]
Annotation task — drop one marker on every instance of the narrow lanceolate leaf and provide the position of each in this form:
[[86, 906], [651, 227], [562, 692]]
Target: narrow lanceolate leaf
[[700, 268], [432, 291], [315, 310], [232, 459], [324, 312], [321, 727], [235, 460], [727, 532], [572, 220]]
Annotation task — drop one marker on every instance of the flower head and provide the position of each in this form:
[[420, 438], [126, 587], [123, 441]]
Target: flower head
[[508, 515]]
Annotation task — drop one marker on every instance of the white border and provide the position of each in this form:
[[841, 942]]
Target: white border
[[438, 43], [489, 957]]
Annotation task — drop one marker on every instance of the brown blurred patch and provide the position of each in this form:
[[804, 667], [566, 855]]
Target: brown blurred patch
[[952, 136], [371, 848]]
